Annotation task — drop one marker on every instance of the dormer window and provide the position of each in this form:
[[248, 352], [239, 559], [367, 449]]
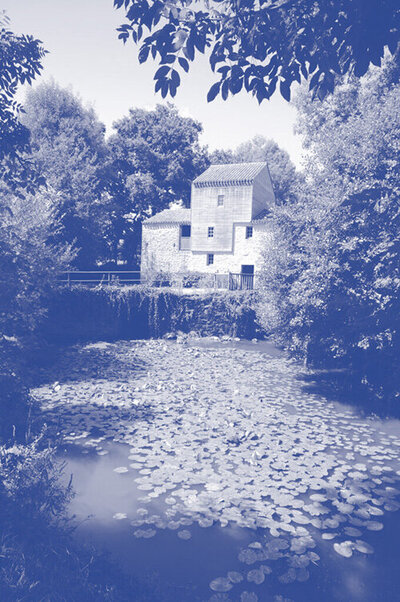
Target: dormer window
[[249, 231], [211, 232], [220, 200]]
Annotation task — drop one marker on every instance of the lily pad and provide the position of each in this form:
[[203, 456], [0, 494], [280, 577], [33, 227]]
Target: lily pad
[[344, 549], [221, 584], [184, 534]]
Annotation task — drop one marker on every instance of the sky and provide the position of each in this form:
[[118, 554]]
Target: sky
[[86, 55]]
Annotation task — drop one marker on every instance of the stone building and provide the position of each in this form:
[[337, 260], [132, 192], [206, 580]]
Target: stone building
[[223, 233]]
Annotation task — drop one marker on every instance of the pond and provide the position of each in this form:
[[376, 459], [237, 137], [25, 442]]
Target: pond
[[210, 473]]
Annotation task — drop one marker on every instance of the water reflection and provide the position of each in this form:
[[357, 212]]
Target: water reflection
[[182, 570], [237, 485]]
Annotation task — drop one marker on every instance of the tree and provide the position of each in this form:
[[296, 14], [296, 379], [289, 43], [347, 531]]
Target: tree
[[21, 61], [339, 297], [256, 46], [155, 155], [69, 150], [284, 177]]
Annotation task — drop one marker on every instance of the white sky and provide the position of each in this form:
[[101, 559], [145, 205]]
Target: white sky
[[85, 53]]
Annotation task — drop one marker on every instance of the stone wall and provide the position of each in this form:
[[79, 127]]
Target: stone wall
[[80, 314], [160, 250], [161, 253]]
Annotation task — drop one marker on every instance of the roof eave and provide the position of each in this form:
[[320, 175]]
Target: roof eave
[[222, 183]]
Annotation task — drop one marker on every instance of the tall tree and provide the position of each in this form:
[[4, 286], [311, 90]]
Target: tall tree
[[339, 296], [257, 46], [155, 155], [286, 180], [21, 61], [28, 265], [69, 150]]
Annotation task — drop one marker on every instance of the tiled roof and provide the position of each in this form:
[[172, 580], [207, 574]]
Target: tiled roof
[[229, 174], [170, 216]]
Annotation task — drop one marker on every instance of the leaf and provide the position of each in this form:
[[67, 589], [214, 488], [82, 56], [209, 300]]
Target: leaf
[[184, 64], [184, 534], [225, 89], [143, 54], [164, 89], [344, 549], [190, 48], [213, 91], [221, 584], [162, 72], [168, 58]]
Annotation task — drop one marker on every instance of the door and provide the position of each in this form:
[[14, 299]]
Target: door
[[247, 276]]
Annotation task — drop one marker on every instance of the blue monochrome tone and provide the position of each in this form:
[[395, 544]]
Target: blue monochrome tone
[[200, 343]]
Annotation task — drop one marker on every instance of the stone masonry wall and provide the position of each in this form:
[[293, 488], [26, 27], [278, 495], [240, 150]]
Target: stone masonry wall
[[161, 253], [160, 250]]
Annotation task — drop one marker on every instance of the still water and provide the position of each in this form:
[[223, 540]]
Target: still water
[[208, 472]]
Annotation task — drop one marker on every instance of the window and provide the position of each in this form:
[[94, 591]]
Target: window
[[210, 231], [249, 231], [185, 240], [210, 258], [220, 201]]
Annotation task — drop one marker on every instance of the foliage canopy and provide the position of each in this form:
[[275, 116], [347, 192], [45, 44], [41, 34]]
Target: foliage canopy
[[338, 248], [20, 61], [283, 173], [257, 46], [69, 150], [154, 157]]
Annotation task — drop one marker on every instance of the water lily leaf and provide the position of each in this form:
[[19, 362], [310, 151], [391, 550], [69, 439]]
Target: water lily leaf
[[328, 536], [121, 469], [302, 575], [352, 531], [288, 577], [344, 549], [144, 533], [363, 547], [235, 577], [119, 516], [256, 576], [373, 525], [221, 584], [184, 534], [248, 597]]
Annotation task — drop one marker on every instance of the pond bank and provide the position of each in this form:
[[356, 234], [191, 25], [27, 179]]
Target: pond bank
[[210, 469], [82, 314]]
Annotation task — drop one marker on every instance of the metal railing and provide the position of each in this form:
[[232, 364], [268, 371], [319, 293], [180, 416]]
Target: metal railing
[[96, 277], [187, 280]]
